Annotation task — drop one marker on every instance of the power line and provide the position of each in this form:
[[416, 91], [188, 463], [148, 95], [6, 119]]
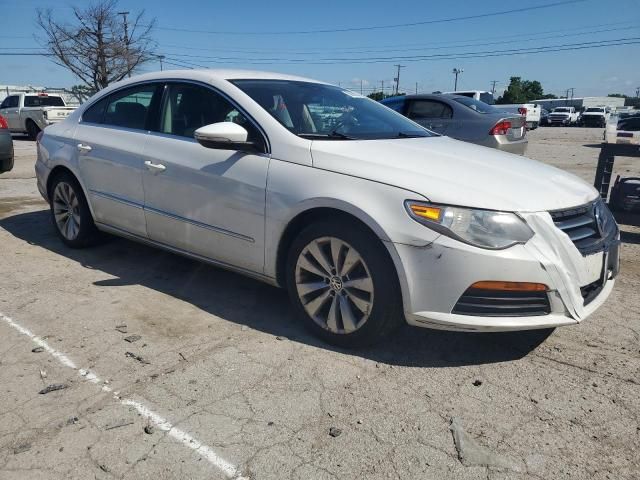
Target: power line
[[450, 56], [520, 38], [415, 58], [380, 27]]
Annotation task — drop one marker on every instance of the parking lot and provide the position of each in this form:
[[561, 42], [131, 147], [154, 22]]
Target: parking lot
[[175, 369]]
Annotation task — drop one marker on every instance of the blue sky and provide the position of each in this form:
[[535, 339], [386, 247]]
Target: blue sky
[[590, 71]]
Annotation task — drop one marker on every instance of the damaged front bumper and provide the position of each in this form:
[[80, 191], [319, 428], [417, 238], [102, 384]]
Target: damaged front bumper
[[435, 280]]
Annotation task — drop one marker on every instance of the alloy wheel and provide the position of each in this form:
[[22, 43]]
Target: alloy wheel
[[334, 285], [66, 210]]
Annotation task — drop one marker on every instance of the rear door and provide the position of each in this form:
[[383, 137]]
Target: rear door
[[205, 201], [10, 110], [110, 140], [432, 114]]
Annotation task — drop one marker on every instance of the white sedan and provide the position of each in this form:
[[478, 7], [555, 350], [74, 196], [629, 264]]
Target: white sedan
[[368, 219]]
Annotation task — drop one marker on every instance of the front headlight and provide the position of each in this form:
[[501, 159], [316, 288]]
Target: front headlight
[[482, 228]]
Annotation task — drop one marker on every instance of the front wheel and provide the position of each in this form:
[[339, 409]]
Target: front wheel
[[343, 284]]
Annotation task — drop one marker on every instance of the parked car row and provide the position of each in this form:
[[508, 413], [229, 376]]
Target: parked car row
[[367, 218], [464, 118]]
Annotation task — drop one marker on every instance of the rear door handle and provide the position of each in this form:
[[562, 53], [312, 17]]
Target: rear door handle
[[155, 167], [84, 148]]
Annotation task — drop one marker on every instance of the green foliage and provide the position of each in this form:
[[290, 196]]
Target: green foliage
[[617, 95], [377, 96], [521, 91]]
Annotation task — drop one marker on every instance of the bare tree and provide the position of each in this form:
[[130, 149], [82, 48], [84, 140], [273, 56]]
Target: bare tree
[[97, 45]]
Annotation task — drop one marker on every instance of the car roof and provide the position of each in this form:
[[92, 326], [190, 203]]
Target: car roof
[[219, 74], [425, 96]]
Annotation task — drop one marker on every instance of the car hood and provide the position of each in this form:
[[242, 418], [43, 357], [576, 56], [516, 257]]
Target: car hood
[[455, 173]]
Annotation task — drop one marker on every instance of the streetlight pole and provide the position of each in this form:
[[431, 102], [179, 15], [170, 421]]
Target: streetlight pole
[[456, 72], [160, 58]]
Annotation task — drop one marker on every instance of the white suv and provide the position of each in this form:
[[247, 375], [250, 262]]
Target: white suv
[[364, 216]]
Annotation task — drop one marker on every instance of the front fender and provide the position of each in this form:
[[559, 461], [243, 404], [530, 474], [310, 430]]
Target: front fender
[[293, 189]]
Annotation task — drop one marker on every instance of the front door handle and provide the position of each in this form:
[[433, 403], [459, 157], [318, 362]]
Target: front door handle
[[84, 148], [155, 167]]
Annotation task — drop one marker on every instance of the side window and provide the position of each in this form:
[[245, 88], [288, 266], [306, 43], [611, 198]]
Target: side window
[[188, 107], [10, 102], [95, 112], [421, 109], [130, 107]]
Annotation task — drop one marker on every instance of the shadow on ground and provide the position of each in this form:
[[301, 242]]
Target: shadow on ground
[[244, 301]]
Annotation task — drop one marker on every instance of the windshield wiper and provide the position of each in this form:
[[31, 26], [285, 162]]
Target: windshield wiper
[[330, 136], [410, 135]]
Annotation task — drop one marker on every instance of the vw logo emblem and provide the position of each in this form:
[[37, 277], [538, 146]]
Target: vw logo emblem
[[598, 215], [336, 284]]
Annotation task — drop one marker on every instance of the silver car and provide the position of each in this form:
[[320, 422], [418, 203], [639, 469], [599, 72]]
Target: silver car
[[6, 147], [465, 119], [365, 217]]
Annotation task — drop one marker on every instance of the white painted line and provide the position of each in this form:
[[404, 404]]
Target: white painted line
[[228, 469]]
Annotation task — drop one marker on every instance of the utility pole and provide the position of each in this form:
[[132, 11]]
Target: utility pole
[[416, 88], [397, 79], [493, 86], [637, 92], [360, 86], [160, 57], [382, 83], [126, 39], [456, 72]]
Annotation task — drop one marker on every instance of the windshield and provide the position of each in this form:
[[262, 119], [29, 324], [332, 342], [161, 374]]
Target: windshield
[[42, 101], [599, 110], [476, 105], [324, 112], [562, 110]]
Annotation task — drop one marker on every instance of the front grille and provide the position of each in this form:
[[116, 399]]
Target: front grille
[[581, 226], [500, 303]]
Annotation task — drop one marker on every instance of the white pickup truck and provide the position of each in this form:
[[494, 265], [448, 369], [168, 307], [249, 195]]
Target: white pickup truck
[[565, 116], [31, 112], [530, 111], [595, 116]]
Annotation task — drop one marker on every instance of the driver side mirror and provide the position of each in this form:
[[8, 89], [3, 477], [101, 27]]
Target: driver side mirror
[[225, 136]]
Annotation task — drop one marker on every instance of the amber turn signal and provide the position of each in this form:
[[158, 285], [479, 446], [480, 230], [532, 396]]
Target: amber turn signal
[[425, 211], [511, 286]]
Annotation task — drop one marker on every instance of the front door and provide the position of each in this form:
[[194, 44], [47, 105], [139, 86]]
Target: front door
[[431, 114], [205, 201], [110, 141]]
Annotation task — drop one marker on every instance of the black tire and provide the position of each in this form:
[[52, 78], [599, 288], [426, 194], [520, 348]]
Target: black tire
[[32, 130], [386, 313], [87, 233]]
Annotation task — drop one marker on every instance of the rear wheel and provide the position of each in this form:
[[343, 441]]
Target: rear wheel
[[343, 284], [32, 129], [70, 212]]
